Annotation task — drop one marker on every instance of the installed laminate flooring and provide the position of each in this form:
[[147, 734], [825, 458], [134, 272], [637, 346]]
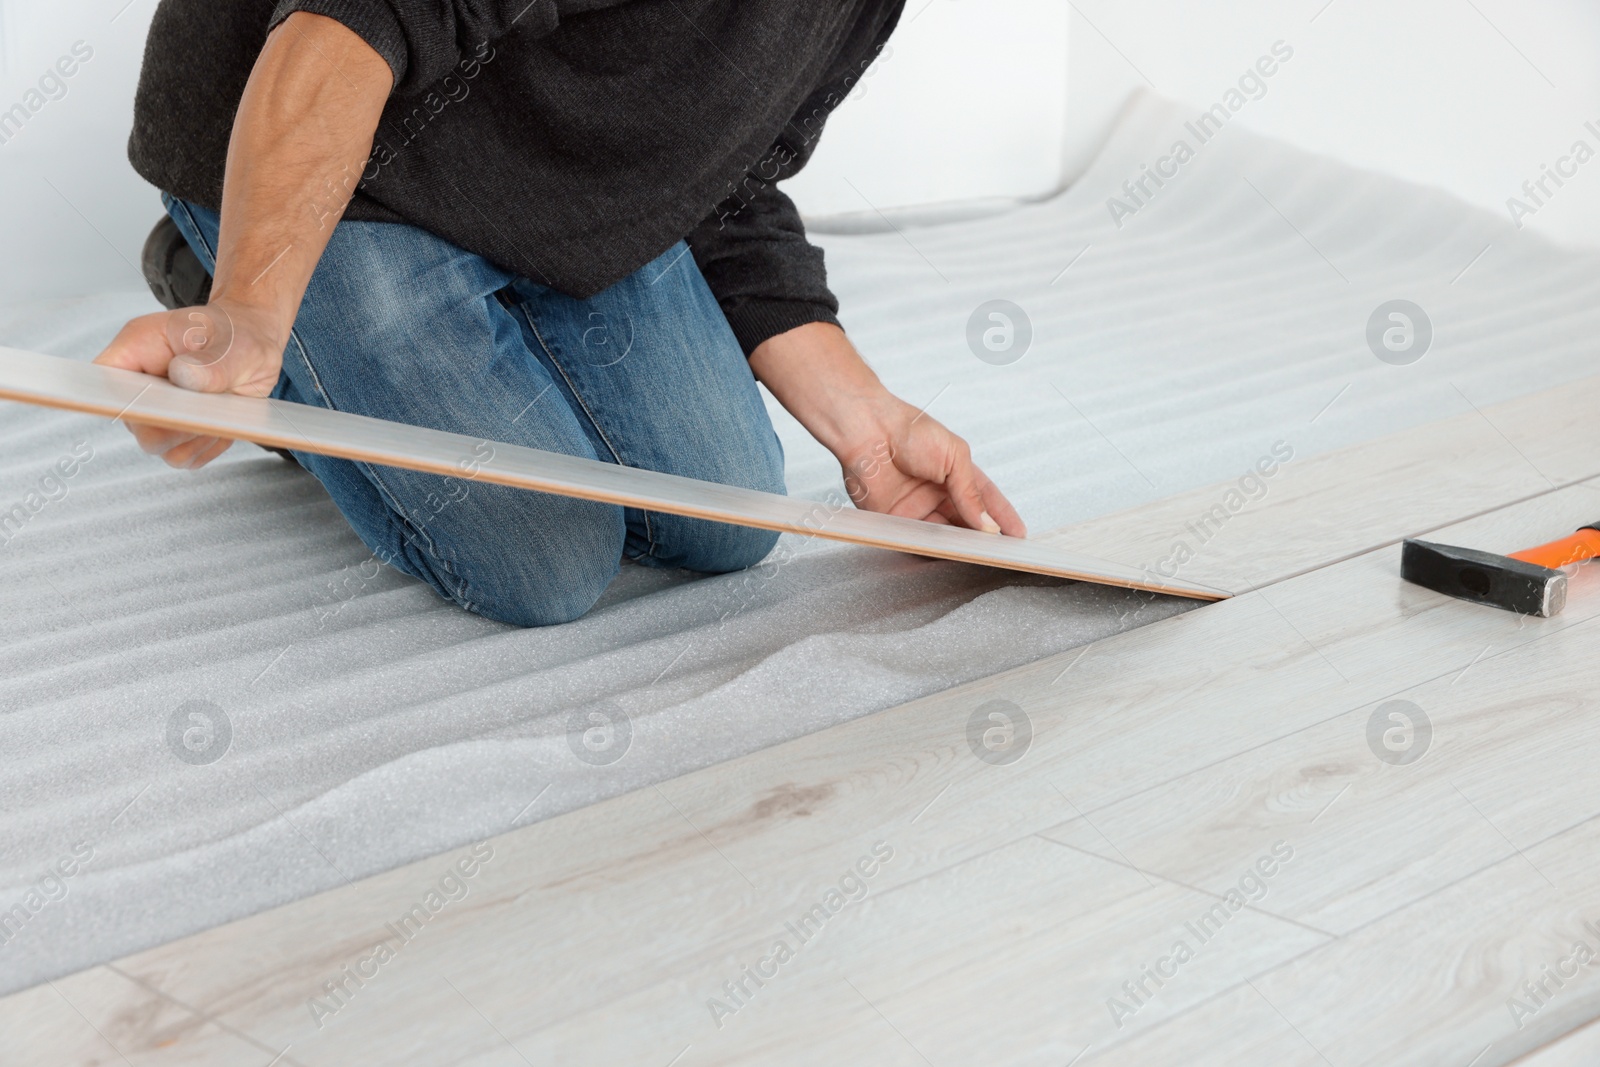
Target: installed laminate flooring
[[1309, 512], [992, 911]]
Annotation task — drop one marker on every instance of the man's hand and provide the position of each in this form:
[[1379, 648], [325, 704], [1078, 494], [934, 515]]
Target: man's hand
[[896, 459], [300, 142], [208, 349], [920, 470]]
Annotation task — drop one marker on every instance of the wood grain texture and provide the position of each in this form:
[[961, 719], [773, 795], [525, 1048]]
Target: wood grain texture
[[1315, 510], [101, 1017], [54, 382]]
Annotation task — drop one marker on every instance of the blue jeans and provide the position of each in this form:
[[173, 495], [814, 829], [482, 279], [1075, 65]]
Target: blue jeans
[[399, 324]]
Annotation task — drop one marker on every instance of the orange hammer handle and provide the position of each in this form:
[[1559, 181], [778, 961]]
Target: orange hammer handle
[[1585, 544]]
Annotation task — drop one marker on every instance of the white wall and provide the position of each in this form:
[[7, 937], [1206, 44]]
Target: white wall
[[73, 215], [969, 100], [1450, 93]]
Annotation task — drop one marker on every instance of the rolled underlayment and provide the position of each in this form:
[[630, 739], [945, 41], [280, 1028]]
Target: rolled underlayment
[[1221, 329]]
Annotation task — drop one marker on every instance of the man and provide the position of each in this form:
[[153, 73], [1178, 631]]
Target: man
[[552, 223]]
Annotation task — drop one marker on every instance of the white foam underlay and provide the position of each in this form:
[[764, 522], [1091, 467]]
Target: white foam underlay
[[1221, 318]]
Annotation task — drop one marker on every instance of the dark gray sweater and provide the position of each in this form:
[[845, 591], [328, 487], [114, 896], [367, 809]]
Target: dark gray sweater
[[571, 141]]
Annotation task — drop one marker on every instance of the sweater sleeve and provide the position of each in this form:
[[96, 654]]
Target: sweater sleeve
[[752, 248], [752, 251], [423, 40]]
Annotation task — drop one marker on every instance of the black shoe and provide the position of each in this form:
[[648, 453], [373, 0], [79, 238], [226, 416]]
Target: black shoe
[[175, 274], [178, 278]]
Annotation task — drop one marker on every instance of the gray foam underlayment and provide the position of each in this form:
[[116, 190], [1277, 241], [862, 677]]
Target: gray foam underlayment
[[374, 724]]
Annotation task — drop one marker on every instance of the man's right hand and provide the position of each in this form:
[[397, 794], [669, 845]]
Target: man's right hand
[[301, 139], [207, 349]]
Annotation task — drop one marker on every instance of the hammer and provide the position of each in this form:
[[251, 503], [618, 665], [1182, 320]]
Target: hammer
[[1526, 582]]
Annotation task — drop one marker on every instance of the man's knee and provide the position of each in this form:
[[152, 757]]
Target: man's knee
[[550, 598], [747, 546], [709, 547], [716, 547], [547, 570], [744, 547], [750, 458]]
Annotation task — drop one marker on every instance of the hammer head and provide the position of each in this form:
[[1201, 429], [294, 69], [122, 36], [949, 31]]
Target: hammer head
[[1484, 577]]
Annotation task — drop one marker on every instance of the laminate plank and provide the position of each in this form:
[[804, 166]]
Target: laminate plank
[[613, 918], [1449, 951], [64, 383], [1053, 938], [98, 1017], [1451, 964], [1238, 1027], [1315, 510], [1068, 920]]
